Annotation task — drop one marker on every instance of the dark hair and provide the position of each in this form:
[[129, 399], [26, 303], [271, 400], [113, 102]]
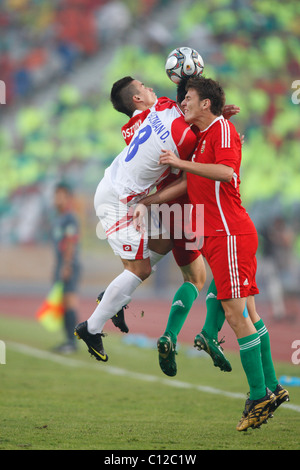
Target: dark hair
[[181, 90], [121, 95], [210, 89], [64, 187]]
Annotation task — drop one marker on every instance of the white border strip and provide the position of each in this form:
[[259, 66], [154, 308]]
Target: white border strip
[[69, 362]]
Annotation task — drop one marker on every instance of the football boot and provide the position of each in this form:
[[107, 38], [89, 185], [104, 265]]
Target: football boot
[[213, 347], [256, 412], [281, 395], [93, 342], [166, 355]]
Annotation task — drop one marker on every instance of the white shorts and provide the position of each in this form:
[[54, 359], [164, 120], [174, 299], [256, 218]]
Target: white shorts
[[116, 221]]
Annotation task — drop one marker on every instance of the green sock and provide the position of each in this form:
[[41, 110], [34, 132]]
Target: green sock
[[181, 305], [266, 356], [250, 354], [215, 315]]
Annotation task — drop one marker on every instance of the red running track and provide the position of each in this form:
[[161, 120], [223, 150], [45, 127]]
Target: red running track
[[154, 318]]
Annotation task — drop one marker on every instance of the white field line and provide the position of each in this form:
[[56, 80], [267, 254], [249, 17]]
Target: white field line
[[69, 362]]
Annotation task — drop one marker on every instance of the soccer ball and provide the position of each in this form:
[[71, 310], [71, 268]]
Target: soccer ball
[[183, 62]]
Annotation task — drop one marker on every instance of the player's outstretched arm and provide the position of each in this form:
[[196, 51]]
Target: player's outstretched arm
[[217, 172], [170, 192]]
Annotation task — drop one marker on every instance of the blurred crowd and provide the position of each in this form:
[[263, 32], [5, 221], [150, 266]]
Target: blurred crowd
[[41, 40], [251, 46]]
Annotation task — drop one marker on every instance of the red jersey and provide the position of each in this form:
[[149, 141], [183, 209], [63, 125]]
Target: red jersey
[[223, 210]]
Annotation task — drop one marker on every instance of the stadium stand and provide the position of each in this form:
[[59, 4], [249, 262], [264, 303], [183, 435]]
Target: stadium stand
[[59, 59]]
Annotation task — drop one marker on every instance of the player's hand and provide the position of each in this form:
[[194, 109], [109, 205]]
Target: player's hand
[[168, 157], [242, 138], [230, 110], [139, 215]]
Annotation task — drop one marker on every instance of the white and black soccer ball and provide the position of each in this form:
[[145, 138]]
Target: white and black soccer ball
[[184, 62]]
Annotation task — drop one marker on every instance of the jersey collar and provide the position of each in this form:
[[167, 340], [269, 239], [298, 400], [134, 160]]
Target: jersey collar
[[215, 120], [138, 111]]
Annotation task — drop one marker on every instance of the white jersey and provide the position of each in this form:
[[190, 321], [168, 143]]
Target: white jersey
[[136, 170]]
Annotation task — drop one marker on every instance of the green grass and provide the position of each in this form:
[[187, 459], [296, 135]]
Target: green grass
[[79, 404]]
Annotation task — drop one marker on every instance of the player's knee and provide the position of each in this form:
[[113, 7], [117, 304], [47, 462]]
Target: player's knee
[[198, 283], [197, 280], [141, 268], [142, 271], [231, 318], [145, 273], [235, 319]]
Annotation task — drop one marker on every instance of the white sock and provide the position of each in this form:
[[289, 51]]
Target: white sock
[[154, 259], [116, 295]]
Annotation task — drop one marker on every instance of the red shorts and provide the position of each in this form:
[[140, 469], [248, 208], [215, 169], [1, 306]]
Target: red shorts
[[232, 260], [182, 256]]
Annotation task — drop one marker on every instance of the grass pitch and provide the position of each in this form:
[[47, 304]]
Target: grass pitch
[[53, 402]]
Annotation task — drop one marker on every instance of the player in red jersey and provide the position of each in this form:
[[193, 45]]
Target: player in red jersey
[[230, 238]]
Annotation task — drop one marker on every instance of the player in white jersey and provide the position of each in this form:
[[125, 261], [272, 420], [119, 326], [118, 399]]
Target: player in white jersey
[[131, 176], [136, 171]]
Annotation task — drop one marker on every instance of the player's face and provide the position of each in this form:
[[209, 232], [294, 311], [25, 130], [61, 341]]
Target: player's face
[[191, 106], [194, 109], [61, 200], [146, 94]]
